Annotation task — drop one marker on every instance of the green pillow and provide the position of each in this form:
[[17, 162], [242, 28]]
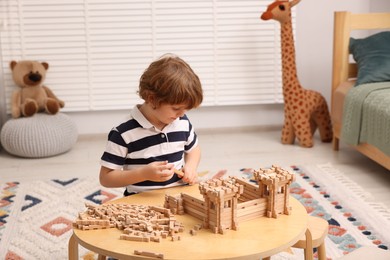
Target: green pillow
[[372, 55]]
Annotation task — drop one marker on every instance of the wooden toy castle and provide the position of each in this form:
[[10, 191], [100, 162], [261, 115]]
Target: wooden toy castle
[[228, 202], [224, 204]]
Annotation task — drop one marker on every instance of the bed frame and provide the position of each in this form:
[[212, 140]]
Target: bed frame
[[344, 23]]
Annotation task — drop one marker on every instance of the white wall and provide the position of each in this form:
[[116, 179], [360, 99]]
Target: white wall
[[314, 44], [314, 40], [379, 6]]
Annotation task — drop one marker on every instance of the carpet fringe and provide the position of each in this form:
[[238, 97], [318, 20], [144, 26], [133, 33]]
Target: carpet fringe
[[347, 182], [356, 189], [363, 201]]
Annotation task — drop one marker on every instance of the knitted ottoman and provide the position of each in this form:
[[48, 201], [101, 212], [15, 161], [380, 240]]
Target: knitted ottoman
[[41, 135]]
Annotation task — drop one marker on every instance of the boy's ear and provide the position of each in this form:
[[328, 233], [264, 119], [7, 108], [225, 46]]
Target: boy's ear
[[151, 99]]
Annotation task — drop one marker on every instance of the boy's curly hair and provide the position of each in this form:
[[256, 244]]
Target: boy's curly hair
[[170, 80]]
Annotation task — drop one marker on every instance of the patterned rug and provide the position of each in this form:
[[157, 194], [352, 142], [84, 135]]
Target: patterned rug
[[36, 217]]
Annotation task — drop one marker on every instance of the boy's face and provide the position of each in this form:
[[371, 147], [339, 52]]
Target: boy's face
[[167, 113]]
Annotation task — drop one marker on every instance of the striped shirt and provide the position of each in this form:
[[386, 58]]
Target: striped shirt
[[137, 142]]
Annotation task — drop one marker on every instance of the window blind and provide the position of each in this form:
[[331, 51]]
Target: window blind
[[98, 49]]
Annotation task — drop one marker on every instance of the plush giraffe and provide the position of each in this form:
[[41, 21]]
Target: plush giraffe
[[304, 110]]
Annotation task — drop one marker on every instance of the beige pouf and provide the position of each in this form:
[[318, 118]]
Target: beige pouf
[[41, 135]]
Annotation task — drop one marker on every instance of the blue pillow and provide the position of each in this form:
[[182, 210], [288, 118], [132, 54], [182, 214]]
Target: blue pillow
[[372, 55]]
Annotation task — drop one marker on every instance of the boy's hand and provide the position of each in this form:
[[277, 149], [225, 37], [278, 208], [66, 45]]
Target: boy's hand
[[159, 171], [190, 175]]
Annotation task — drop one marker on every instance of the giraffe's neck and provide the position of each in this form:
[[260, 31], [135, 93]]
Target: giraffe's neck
[[290, 79]]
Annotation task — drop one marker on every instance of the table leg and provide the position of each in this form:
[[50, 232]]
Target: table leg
[[266, 258], [73, 248], [322, 252], [309, 246]]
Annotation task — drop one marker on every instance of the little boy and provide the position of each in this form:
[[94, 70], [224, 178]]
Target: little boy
[[158, 138]]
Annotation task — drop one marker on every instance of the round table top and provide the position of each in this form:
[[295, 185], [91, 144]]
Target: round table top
[[258, 238]]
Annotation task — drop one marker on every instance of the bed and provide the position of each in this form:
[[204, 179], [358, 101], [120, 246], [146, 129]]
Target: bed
[[346, 76]]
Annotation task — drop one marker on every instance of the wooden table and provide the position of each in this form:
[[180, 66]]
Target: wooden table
[[255, 239]]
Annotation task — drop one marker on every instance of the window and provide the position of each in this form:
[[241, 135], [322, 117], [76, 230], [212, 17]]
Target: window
[[98, 49]]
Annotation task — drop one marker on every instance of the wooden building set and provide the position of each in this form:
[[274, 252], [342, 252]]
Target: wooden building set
[[228, 202], [138, 222]]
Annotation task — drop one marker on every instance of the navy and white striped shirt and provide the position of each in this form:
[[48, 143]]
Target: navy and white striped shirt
[[137, 142]]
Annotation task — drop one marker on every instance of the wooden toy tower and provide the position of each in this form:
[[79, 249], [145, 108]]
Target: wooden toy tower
[[274, 184], [221, 199]]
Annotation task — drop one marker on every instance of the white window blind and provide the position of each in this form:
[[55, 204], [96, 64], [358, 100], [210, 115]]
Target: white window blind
[[98, 49]]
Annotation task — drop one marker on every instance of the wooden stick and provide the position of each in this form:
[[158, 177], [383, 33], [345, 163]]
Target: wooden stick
[[179, 173], [150, 254]]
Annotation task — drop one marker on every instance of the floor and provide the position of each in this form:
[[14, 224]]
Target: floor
[[229, 149]]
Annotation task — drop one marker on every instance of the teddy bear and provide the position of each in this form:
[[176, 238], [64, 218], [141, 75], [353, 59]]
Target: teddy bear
[[33, 96]]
